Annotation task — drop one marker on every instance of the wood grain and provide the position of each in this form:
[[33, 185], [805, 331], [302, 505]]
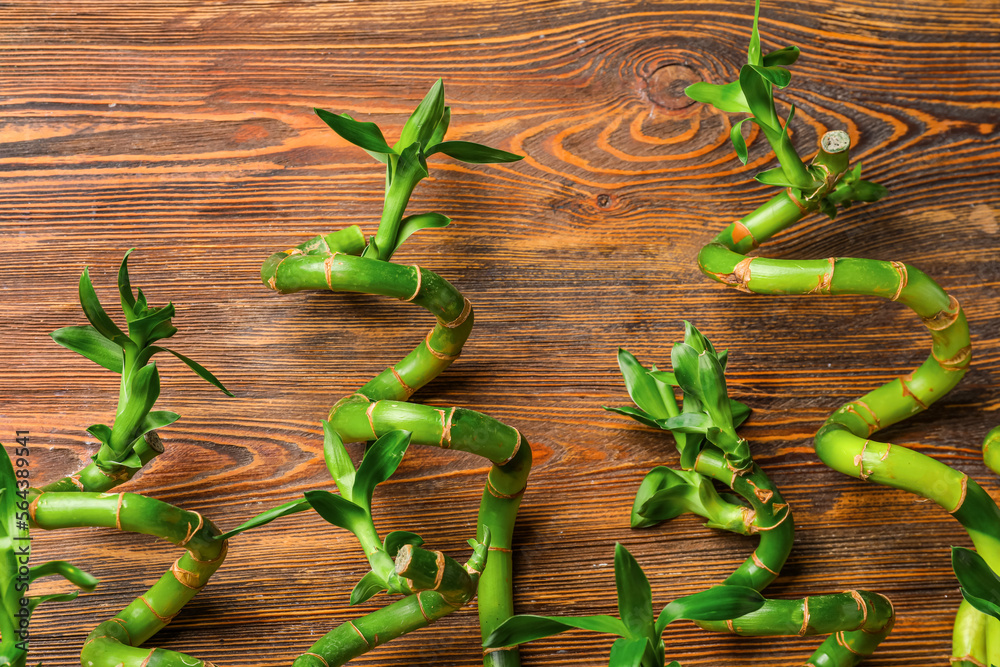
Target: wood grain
[[185, 129]]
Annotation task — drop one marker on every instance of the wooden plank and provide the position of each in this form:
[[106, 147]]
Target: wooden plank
[[185, 129]]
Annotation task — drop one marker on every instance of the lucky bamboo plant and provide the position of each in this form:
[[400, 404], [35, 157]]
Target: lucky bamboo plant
[[704, 430], [81, 499], [845, 440], [432, 584]]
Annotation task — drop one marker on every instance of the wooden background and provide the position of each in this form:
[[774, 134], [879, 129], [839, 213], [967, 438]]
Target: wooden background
[[185, 128]]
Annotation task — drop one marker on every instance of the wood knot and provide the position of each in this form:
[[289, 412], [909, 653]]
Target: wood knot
[[665, 86]]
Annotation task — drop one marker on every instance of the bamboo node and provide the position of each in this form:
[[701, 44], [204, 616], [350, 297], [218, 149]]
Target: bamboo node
[[417, 290], [75, 479], [402, 383], [500, 549], [191, 533], [842, 640], [965, 492], [318, 657], [186, 578], [825, 283], [764, 529], [371, 421], [900, 269], [945, 318], [466, 311], [420, 604], [959, 362], [487, 651], [362, 635], [517, 446], [739, 279], [328, 271], [795, 200], [763, 495], [149, 655], [118, 510], [759, 563], [729, 624], [439, 563], [33, 506], [859, 460], [163, 619], [503, 496], [805, 617], [904, 382], [445, 441], [862, 606], [440, 355], [966, 658]]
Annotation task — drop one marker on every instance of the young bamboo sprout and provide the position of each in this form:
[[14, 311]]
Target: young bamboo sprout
[[844, 442], [704, 430], [126, 446], [379, 411]]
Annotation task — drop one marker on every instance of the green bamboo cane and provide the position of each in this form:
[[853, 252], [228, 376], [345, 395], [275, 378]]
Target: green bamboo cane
[[705, 434], [346, 262], [116, 642], [844, 442]]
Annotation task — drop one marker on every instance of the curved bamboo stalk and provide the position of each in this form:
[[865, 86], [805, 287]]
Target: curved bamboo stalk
[[844, 442], [116, 642], [330, 262]]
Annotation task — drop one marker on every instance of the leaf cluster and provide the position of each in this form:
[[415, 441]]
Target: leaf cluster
[[980, 584], [130, 355], [641, 642], [406, 164], [706, 415]]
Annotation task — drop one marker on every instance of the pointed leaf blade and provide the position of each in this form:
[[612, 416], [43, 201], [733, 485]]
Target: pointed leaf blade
[[380, 461], [719, 603], [525, 628], [640, 386], [125, 287], [782, 57], [414, 223], [363, 135], [640, 416], [337, 510], [95, 313], [980, 585], [338, 461], [268, 516], [727, 97], [473, 153], [369, 586], [627, 652], [199, 370], [424, 121], [635, 598], [395, 541], [91, 343]]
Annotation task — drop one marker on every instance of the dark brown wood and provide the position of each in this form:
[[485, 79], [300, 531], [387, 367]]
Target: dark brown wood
[[185, 129]]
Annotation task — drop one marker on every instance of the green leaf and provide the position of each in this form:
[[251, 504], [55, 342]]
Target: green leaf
[[95, 312], [640, 386], [424, 121], [442, 128], [739, 410], [141, 392], [688, 422], [414, 223], [364, 135], [33, 602], [153, 325], [395, 541], [467, 151], [697, 339], [380, 461], [199, 370], [627, 652], [779, 76], [369, 586], [863, 190], [760, 97], [91, 343], [267, 517], [719, 603], [635, 599], [339, 511], [980, 585], [785, 56], [68, 571], [656, 479], [684, 360], [727, 97], [753, 52], [666, 377], [125, 287], [131, 461], [100, 431], [713, 390], [338, 461], [525, 628], [640, 416], [775, 177], [739, 143], [828, 207]]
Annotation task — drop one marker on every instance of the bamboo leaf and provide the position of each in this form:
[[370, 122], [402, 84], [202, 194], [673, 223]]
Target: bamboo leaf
[[656, 479], [635, 598], [395, 541], [727, 97], [153, 325], [784, 56], [640, 386], [369, 586], [753, 52], [199, 370], [779, 76], [71, 573], [640, 416], [125, 287], [100, 431], [267, 517], [91, 343], [697, 339], [424, 120], [338, 461], [980, 585], [442, 128], [141, 392], [760, 97], [688, 422], [467, 151], [684, 360], [525, 628], [94, 311], [739, 143], [363, 135], [666, 377], [627, 652], [862, 190], [828, 207], [380, 461], [339, 511], [719, 603], [740, 411], [414, 223], [775, 177], [713, 390], [33, 602]]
